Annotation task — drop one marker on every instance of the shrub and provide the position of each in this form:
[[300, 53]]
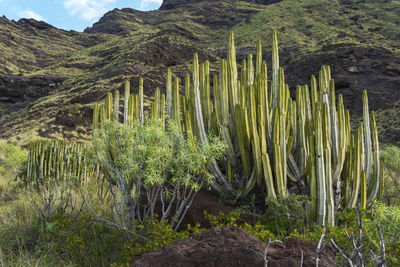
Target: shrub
[[151, 170], [12, 157], [88, 244], [281, 215], [259, 230], [391, 158]]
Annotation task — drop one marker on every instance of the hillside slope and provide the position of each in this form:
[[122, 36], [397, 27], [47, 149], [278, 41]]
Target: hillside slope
[[47, 89]]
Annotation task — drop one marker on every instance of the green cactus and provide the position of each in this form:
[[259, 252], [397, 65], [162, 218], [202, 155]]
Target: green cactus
[[126, 100], [95, 116], [141, 102], [116, 105], [54, 162], [271, 137]]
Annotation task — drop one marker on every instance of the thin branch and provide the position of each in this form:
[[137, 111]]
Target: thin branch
[[118, 227], [111, 223], [302, 258], [319, 248], [359, 258], [341, 252], [381, 261], [266, 250]]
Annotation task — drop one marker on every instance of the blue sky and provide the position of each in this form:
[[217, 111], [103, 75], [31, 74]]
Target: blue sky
[[69, 14]]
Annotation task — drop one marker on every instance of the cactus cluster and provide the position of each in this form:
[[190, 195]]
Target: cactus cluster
[[276, 143], [55, 162]]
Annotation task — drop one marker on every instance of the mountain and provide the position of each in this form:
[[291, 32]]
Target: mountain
[[50, 78]]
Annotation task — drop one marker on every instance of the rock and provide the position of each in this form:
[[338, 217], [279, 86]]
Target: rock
[[41, 25], [16, 92], [354, 69], [231, 246]]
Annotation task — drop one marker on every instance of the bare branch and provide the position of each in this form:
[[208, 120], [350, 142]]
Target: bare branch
[[360, 257], [341, 252], [319, 248], [118, 227], [381, 261], [266, 250], [302, 258]]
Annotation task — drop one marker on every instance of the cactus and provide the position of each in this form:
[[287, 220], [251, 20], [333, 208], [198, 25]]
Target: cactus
[[116, 105], [126, 100], [95, 116], [141, 103], [279, 144], [54, 162], [375, 184], [275, 68]]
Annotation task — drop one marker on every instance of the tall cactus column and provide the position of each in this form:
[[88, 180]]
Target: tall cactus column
[[320, 166]]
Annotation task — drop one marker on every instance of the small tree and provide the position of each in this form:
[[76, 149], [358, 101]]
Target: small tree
[[152, 170]]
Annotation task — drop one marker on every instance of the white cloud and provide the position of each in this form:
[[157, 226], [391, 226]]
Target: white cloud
[[30, 15], [146, 2], [87, 9]]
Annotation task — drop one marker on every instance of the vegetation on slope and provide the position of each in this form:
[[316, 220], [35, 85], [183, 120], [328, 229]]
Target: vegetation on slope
[[126, 44]]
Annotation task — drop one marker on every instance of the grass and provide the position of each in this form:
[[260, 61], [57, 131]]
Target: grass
[[85, 244], [17, 218], [308, 25]]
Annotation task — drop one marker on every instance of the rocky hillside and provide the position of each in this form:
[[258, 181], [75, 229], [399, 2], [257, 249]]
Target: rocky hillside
[[49, 78]]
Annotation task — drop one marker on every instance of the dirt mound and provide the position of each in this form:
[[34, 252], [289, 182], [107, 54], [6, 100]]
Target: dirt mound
[[231, 246]]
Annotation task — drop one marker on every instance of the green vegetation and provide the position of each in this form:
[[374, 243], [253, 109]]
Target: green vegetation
[[274, 142], [308, 25], [391, 192], [12, 157], [148, 164], [94, 64], [292, 165], [82, 243]]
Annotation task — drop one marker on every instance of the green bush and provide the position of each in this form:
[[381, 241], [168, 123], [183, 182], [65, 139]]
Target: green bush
[[89, 244], [12, 157], [151, 168], [391, 158], [387, 217], [235, 218], [281, 215]]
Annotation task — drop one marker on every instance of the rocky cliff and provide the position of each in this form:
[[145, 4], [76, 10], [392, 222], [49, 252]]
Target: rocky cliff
[[172, 4]]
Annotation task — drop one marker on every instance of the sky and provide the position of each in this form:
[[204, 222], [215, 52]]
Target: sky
[[69, 14]]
